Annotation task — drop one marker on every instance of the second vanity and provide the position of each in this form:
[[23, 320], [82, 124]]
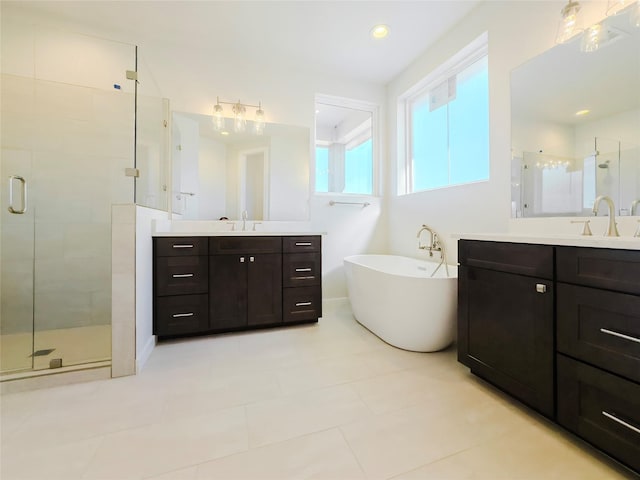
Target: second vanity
[[221, 282], [555, 323]]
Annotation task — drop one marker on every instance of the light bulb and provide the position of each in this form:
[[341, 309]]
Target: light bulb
[[218, 119], [569, 25], [259, 125], [592, 38], [239, 120]]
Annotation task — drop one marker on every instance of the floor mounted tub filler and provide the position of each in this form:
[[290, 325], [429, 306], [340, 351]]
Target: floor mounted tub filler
[[408, 303]]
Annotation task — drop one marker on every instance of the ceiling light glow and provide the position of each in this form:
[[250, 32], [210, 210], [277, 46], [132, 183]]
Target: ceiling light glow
[[579, 113], [380, 31]]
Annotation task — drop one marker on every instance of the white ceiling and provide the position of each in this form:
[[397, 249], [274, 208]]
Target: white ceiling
[[328, 37]]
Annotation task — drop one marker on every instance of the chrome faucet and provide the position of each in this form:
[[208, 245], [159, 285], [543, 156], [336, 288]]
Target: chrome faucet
[[612, 229], [634, 204], [245, 214], [433, 245]]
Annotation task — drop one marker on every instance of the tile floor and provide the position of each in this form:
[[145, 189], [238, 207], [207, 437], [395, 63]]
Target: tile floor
[[326, 401]]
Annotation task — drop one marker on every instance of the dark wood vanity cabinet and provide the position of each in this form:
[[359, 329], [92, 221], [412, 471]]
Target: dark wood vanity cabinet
[[511, 334], [505, 318], [217, 284], [598, 348]]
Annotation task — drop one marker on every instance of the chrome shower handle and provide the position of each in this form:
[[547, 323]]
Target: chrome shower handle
[[23, 183]]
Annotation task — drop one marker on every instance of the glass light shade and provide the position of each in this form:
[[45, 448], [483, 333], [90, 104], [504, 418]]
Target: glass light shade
[[634, 15], [218, 119], [239, 119], [593, 38], [259, 125], [570, 25]]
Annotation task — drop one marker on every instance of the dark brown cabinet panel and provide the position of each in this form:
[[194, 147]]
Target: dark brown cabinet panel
[[181, 314], [301, 269], [520, 258], [302, 303], [181, 275], [228, 291], [600, 327], [598, 267], [302, 244], [180, 246], [264, 289], [603, 409], [505, 333], [244, 245]]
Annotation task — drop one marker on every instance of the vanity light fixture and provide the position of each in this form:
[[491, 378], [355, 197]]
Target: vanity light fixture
[[239, 116], [570, 24], [380, 31]]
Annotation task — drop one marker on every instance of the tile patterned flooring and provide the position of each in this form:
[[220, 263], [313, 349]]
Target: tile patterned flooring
[[325, 401]]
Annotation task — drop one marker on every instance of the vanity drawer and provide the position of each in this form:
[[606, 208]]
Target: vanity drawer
[[599, 267], [303, 303], [301, 269], [181, 275], [600, 327], [179, 246], [242, 245], [519, 258], [181, 314], [602, 408], [302, 244]]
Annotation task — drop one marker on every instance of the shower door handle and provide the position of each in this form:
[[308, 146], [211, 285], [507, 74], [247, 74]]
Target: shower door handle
[[23, 190]]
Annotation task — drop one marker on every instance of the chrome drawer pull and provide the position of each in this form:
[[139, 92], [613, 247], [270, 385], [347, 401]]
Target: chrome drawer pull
[[176, 315], [621, 422], [303, 244], [621, 335], [182, 246], [303, 304], [541, 288], [303, 269], [182, 275]]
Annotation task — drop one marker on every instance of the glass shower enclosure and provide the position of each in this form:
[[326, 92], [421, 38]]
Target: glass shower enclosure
[[67, 137]]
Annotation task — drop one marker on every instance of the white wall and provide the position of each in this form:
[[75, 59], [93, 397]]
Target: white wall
[[517, 32]]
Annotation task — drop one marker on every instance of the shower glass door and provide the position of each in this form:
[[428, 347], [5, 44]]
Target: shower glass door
[[68, 123]]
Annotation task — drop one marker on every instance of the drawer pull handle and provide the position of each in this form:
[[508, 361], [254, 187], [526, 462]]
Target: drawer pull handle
[[176, 315], [303, 244], [182, 275], [621, 335], [621, 422], [252, 259], [303, 269], [182, 246], [541, 288], [303, 304]]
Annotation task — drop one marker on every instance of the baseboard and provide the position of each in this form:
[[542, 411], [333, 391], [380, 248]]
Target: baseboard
[[144, 355]]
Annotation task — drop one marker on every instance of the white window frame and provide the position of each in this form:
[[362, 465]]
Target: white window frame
[[374, 110], [470, 54]]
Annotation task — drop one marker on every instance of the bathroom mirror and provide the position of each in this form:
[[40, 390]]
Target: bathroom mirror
[[345, 146], [221, 174], [575, 130]]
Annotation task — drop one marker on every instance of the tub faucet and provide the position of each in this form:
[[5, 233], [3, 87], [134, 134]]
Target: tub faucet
[[612, 229], [634, 205], [434, 241]]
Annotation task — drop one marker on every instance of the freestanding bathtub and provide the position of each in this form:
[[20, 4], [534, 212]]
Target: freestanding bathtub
[[396, 299]]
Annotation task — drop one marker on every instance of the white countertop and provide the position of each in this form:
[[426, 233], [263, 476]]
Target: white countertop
[[624, 243], [235, 234]]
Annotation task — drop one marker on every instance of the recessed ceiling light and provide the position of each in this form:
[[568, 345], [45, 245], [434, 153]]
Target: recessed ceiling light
[[579, 113], [224, 132], [380, 31]]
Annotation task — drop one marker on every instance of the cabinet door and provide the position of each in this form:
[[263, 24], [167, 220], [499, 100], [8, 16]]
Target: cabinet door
[[228, 291], [505, 333], [264, 289]]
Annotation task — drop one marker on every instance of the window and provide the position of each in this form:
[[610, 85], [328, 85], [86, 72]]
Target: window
[[345, 146], [447, 124]]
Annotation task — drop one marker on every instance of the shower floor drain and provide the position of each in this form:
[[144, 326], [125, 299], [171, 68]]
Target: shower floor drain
[[42, 353]]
